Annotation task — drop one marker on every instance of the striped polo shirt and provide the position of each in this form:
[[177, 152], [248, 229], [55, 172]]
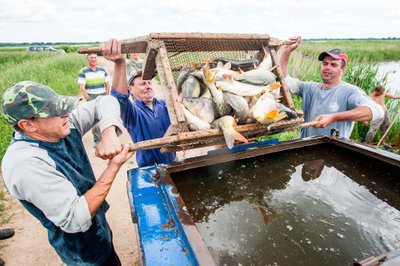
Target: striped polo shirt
[[94, 80]]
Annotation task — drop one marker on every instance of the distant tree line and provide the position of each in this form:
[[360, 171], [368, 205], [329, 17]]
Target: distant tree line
[[351, 39], [13, 44]]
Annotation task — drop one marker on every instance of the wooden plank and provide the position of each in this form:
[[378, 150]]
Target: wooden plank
[[133, 45], [284, 89], [149, 66], [178, 121], [200, 35], [204, 135], [250, 135]]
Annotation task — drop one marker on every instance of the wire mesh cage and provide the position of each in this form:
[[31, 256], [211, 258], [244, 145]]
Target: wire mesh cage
[[168, 53]]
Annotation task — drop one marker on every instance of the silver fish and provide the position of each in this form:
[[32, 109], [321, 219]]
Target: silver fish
[[245, 89], [265, 110], [240, 107], [266, 63], [183, 75], [194, 123], [191, 87], [259, 76], [227, 125], [201, 107], [220, 71], [221, 106], [256, 76]]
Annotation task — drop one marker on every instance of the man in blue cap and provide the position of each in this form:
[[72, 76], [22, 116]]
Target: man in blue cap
[[47, 169], [332, 103]]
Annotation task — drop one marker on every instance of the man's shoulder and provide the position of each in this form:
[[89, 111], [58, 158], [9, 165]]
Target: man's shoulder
[[24, 149], [23, 153], [348, 86], [101, 69], [84, 69], [160, 101]]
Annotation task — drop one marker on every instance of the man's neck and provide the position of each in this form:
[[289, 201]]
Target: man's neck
[[38, 137], [92, 67], [330, 85]]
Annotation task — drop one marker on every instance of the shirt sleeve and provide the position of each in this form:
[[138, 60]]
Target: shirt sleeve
[[107, 78], [294, 85], [359, 98], [39, 183], [104, 110], [127, 108], [81, 77]]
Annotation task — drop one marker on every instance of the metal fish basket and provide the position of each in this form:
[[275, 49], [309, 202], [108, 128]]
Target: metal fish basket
[[167, 53]]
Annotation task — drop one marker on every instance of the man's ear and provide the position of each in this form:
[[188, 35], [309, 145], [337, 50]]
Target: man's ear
[[27, 125]]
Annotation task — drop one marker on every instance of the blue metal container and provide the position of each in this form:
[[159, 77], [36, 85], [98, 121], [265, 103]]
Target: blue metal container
[[167, 233]]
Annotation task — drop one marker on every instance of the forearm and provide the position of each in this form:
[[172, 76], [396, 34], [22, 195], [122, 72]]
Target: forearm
[[84, 93], [394, 97], [107, 85], [360, 113], [120, 83], [284, 62], [97, 194]]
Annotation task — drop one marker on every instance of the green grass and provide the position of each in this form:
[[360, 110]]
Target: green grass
[[58, 71], [359, 51]]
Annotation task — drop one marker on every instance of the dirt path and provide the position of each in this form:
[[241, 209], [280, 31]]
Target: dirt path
[[30, 246]]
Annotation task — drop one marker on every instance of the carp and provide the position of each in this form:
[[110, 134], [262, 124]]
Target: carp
[[191, 87], [227, 125], [221, 106], [183, 75], [201, 107], [245, 89], [240, 107], [265, 110], [194, 122]]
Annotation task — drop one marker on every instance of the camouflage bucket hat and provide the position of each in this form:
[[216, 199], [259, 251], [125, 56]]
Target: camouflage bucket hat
[[28, 99]]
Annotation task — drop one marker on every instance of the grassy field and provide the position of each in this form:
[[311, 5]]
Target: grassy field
[[58, 71]]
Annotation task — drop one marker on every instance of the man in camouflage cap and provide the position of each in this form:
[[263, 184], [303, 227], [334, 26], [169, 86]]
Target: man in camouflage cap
[[47, 169], [29, 99]]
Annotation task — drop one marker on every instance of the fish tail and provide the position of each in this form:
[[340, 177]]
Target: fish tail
[[232, 135], [273, 114], [274, 86], [265, 53]]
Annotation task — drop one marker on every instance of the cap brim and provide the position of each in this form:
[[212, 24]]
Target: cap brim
[[324, 54], [66, 104]]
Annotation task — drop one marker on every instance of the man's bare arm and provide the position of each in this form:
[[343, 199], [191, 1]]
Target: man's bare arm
[[112, 51], [97, 194], [392, 96], [84, 93], [360, 113], [285, 52]]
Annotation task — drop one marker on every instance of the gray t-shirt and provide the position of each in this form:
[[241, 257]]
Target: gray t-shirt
[[318, 101]]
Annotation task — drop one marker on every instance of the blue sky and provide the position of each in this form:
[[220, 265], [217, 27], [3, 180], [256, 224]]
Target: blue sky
[[80, 21]]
